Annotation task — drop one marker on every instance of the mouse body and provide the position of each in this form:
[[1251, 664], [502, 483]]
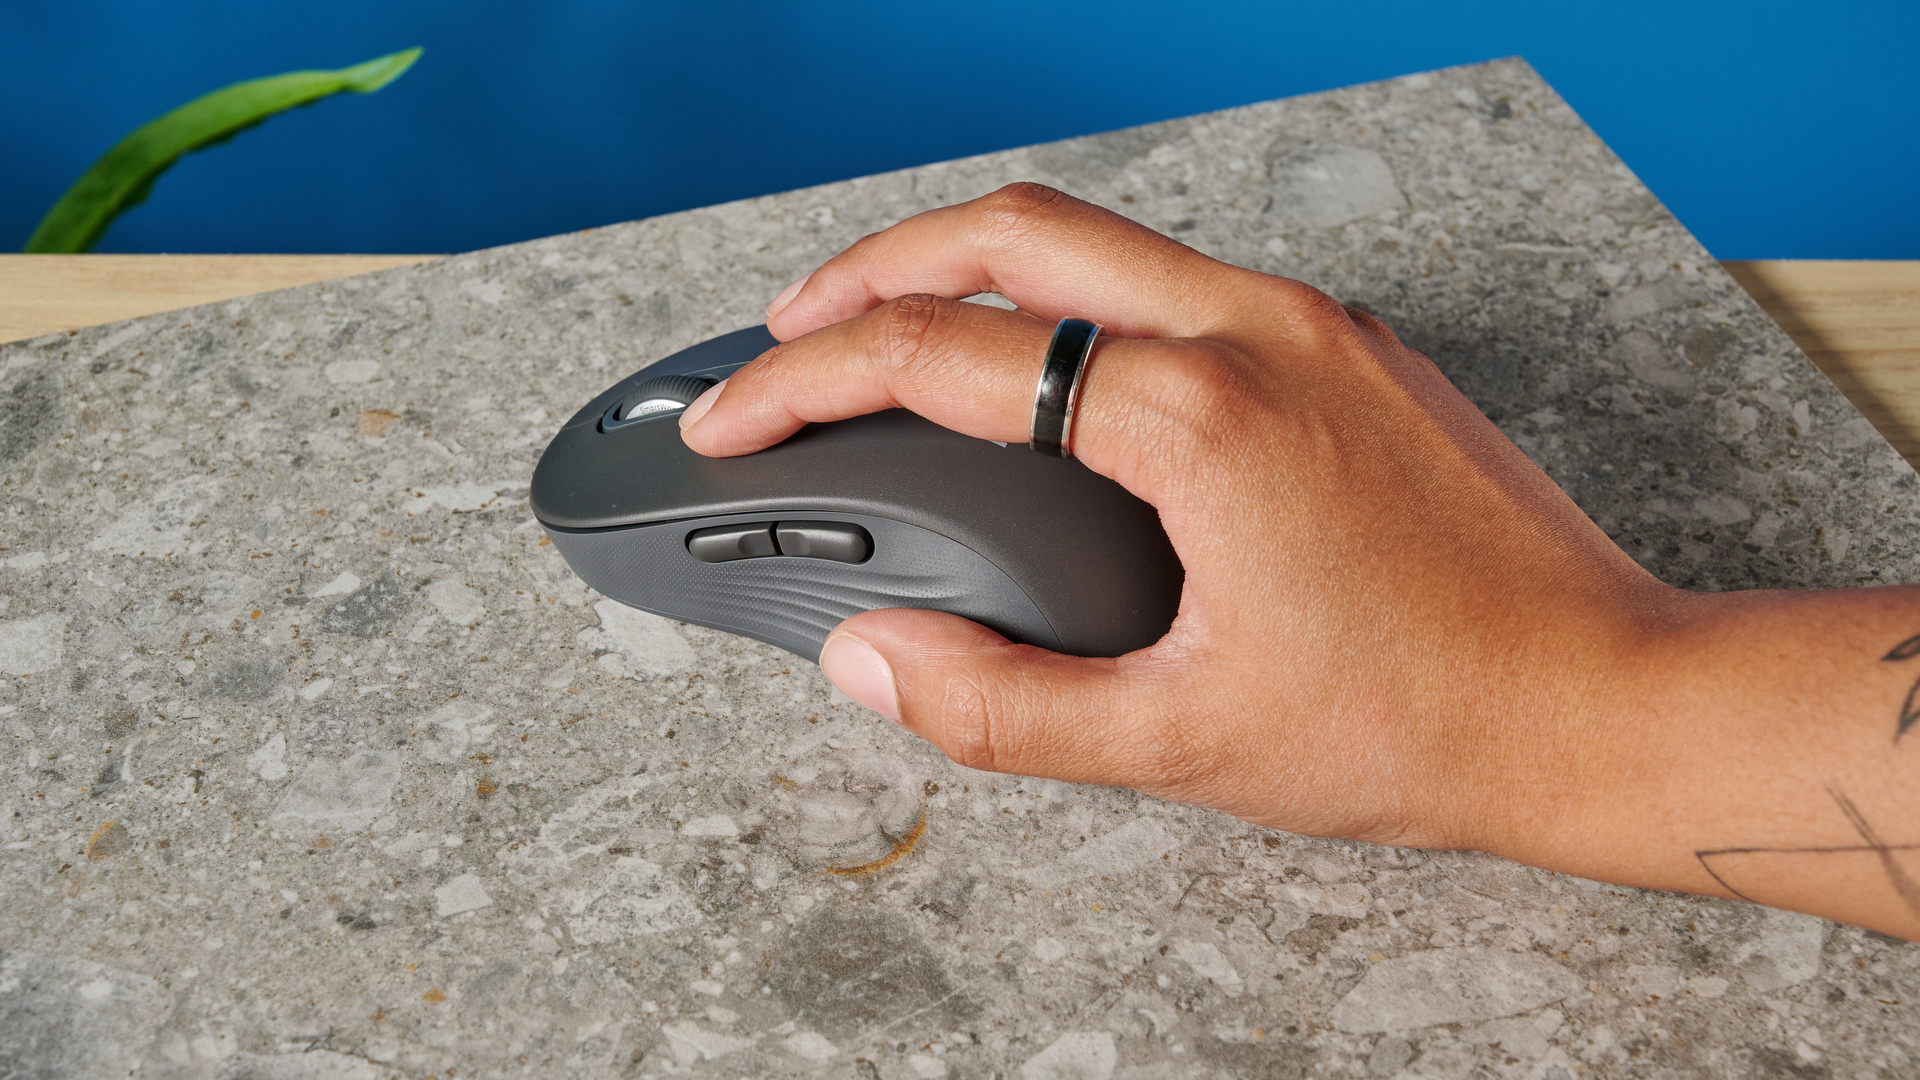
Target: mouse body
[[878, 511]]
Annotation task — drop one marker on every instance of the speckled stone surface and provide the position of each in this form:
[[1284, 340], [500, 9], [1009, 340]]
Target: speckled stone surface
[[320, 764]]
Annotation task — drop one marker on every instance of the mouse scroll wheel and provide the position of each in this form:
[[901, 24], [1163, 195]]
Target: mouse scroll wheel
[[662, 394]]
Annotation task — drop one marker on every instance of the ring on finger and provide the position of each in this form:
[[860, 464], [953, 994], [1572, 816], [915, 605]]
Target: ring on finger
[[1058, 394]]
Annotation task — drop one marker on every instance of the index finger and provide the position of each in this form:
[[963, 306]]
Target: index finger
[[1050, 253]]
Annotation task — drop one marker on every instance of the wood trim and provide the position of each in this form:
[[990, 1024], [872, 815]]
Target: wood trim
[[45, 294], [1860, 323]]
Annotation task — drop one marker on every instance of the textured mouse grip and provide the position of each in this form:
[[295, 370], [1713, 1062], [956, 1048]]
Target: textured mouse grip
[[795, 602]]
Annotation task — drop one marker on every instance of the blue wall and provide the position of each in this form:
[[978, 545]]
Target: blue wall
[[1771, 129]]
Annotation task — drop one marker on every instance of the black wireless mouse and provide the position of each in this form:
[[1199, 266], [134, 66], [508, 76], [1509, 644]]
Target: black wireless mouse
[[884, 510]]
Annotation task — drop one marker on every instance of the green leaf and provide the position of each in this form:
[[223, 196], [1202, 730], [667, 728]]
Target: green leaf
[[124, 175]]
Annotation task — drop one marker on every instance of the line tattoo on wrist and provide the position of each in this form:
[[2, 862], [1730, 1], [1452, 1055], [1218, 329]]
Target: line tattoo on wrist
[[1910, 708], [1903, 883]]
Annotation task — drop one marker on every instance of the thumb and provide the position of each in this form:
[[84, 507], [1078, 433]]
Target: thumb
[[993, 705]]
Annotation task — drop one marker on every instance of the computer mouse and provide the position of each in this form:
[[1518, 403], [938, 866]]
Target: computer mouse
[[879, 511]]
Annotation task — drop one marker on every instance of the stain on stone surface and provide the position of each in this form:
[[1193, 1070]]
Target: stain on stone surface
[[652, 316], [306, 1062], [63, 1018], [498, 983], [109, 840], [901, 848], [1707, 343], [29, 415], [855, 813], [1775, 1064], [1321, 930], [1389, 1055], [374, 422], [1652, 362], [1451, 986], [717, 887], [238, 378], [121, 722], [31, 646], [253, 678], [849, 971], [369, 610], [345, 795], [109, 777], [1266, 1059], [948, 895], [1324, 186]]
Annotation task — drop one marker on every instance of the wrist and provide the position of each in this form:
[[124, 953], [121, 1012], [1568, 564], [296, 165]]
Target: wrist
[[1578, 753], [1737, 745]]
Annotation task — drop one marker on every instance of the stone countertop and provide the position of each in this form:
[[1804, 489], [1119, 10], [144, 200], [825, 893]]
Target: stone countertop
[[322, 764]]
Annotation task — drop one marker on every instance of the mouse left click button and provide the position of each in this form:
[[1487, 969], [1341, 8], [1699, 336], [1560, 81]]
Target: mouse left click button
[[726, 543]]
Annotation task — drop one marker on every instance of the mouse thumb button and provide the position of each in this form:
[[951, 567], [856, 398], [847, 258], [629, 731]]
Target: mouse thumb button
[[729, 543], [839, 541]]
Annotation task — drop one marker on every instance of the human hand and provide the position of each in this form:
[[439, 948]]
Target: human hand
[[1377, 580], [1394, 627]]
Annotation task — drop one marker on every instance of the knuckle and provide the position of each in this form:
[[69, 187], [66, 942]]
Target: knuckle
[[765, 386], [1372, 326], [1321, 326], [911, 329], [1312, 315], [1304, 301], [1198, 392], [1366, 320], [996, 721], [908, 322], [774, 361], [1321, 309], [1019, 208], [966, 722], [1024, 197]]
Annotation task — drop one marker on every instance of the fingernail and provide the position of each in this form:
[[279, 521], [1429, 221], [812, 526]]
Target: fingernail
[[786, 296], [861, 673], [693, 412]]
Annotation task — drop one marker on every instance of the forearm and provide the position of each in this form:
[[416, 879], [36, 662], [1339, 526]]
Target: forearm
[[1755, 746]]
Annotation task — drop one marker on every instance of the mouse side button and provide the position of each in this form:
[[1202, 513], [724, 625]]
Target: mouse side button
[[837, 540], [727, 543]]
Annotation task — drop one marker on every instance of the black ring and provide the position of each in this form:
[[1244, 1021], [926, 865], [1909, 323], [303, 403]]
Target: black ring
[[1058, 394]]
